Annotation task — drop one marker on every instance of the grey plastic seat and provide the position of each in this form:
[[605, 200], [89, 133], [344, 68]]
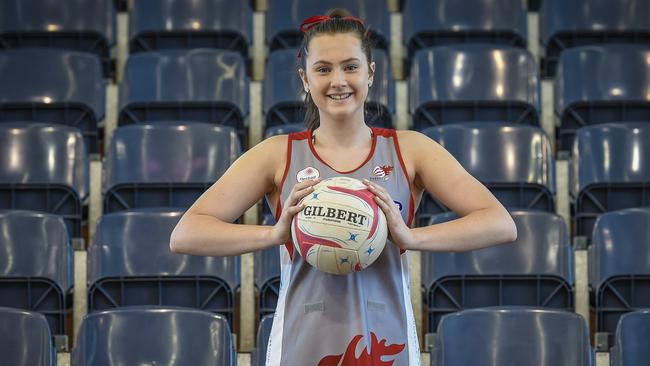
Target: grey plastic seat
[[258, 356], [442, 22], [25, 339], [267, 274], [44, 168], [154, 336], [53, 86], [632, 339], [283, 19], [36, 266], [157, 24], [513, 336], [130, 263], [473, 82], [205, 85], [619, 272], [609, 171], [150, 165], [568, 24], [515, 162], [535, 270], [601, 84], [78, 25]]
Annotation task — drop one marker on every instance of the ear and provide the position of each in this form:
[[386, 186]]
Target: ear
[[371, 72], [303, 77]]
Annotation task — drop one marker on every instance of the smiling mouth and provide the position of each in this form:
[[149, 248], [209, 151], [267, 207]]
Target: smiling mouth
[[340, 96]]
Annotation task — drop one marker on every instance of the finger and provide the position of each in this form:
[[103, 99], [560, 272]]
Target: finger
[[307, 183]]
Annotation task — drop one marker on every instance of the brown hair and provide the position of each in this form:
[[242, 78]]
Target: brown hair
[[337, 24]]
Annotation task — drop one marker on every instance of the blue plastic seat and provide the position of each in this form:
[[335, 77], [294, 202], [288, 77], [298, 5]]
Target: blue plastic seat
[[610, 170], [601, 84], [473, 83], [150, 165], [283, 19], [204, 85], [37, 266], [283, 96], [78, 25], [267, 274], [168, 24], [632, 340], [513, 336], [619, 271], [25, 339], [258, 356], [441, 22], [515, 162], [53, 86], [154, 336], [44, 168], [130, 263], [568, 24], [535, 270]]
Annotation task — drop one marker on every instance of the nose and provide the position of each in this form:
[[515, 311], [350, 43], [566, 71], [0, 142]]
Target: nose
[[338, 78]]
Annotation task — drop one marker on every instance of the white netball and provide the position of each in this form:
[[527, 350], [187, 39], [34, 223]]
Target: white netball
[[341, 229]]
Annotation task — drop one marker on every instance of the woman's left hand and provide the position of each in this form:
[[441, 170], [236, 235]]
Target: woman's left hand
[[398, 232]]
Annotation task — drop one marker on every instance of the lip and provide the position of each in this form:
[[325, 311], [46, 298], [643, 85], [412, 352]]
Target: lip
[[349, 95]]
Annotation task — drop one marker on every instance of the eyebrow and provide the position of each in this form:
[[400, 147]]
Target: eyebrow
[[329, 63]]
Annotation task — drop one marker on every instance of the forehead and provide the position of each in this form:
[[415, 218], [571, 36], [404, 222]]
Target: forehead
[[335, 47]]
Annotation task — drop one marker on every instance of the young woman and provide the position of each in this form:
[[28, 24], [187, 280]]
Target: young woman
[[364, 318]]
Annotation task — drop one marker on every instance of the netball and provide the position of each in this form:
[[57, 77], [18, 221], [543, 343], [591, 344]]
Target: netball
[[341, 229]]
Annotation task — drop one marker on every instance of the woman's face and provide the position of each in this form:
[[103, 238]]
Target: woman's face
[[337, 75]]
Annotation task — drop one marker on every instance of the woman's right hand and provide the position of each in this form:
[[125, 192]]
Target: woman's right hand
[[281, 231]]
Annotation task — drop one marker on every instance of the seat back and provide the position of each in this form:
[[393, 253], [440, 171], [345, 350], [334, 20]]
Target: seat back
[[632, 339], [37, 266], [154, 336], [473, 83], [610, 170], [267, 274], [535, 270], [25, 339], [258, 356], [150, 165], [44, 168], [130, 263]]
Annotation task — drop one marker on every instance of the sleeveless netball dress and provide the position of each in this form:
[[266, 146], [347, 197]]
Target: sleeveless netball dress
[[364, 318]]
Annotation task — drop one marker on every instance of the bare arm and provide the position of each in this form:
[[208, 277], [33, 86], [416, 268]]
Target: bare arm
[[483, 220], [207, 227]]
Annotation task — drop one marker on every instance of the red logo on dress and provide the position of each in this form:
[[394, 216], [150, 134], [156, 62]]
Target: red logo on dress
[[382, 170], [378, 350]]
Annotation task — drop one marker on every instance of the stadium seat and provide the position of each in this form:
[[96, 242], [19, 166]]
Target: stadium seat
[[283, 19], [515, 162], [223, 24], [77, 25], [204, 85], [130, 263], [258, 356], [601, 84], [25, 339], [513, 336], [267, 274], [53, 86], [473, 83], [442, 22], [37, 266], [535, 270], [44, 168], [283, 96], [568, 24], [609, 171], [150, 165], [284, 129], [154, 336], [632, 340], [619, 270]]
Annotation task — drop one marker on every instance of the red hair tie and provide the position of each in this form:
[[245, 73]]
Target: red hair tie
[[311, 22]]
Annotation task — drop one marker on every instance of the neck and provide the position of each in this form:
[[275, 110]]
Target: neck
[[342, 135]]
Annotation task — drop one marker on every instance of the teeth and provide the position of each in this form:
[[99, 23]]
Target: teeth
[[340, 96]]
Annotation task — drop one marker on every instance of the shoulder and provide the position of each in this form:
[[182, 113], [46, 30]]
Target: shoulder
[[418, 151]]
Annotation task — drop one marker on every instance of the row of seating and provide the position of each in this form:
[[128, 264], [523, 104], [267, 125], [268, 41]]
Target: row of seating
[[447, 85], [155, 25]]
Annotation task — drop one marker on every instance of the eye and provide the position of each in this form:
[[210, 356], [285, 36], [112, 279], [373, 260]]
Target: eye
[[322, 69], [351, 67]]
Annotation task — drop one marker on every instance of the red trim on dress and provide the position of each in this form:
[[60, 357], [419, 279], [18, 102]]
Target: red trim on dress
[[408, 179], [372, 151], [278, 207]]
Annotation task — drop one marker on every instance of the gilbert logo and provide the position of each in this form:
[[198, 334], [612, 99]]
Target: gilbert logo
[[381, 172], [307, 173]]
